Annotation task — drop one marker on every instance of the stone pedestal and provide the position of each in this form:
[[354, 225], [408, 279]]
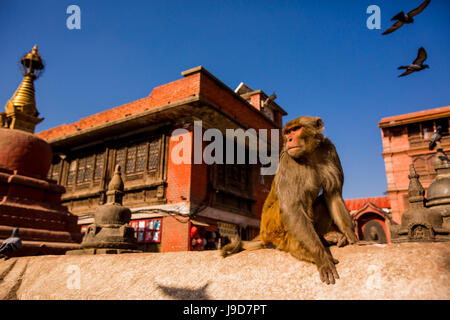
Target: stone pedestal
[[31, 202]]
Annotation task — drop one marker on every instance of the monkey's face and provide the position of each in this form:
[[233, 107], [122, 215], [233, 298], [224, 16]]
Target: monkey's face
[[294, 144], [302, 135]]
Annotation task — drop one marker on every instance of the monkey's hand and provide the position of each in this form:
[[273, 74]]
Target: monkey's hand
[[337, 238], [327, 271]]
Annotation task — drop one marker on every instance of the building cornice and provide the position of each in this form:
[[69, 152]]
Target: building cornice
[[414, 117]]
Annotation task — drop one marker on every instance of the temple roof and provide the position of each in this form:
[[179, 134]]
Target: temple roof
[[356, 204], [415, 117]]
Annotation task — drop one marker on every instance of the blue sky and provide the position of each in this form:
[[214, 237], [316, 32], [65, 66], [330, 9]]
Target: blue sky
[[318, 56]]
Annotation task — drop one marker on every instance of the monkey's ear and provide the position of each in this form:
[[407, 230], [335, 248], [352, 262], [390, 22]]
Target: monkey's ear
[[319, 123]]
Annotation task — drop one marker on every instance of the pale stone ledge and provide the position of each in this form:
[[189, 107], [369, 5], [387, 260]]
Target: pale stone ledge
[[396, 271]]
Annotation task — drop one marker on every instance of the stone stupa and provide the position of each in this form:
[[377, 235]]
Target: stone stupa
[[28, 200], [428, 219], [111, 232]]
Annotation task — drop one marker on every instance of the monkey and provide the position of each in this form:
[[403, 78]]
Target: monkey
[[304, 212]]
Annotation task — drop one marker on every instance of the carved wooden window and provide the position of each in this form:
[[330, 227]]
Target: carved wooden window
[[234, 176], [98, 171], [120, 157], [135, 160], [153, 162], [232, 183], [414, 134], [142, 157], [141, 151], [54, 171], [131, 160], [72, 172], [427, 129], [419, 134], [444, 123], [84, 170]]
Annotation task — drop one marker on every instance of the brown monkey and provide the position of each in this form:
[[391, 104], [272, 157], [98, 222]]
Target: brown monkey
[[304, 210]]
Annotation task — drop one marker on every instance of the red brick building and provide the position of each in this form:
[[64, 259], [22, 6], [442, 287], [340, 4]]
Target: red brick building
[[174, 206], [405, 140]]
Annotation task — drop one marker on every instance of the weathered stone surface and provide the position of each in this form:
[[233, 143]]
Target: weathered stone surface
[[395, 271], [24, 152]]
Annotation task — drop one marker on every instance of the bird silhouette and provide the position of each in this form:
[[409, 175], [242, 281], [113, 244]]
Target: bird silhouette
[[10, 245], [403, 18], [417, 64]]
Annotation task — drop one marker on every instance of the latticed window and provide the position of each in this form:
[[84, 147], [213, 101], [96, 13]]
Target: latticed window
[[80, 171], [136, 158], [232, 184], [140, 157], [72, 171], [131, 160], [53, 172], [99, 159], [84, 171], [120, 157], [153, 154]]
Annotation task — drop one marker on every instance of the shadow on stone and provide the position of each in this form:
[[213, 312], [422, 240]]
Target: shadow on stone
[[183, 293]]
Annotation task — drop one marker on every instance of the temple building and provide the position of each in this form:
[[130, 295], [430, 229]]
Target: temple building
[[406, 141], [371, 218], [174, 206]]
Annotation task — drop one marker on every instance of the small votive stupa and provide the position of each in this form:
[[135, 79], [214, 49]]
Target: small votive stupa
[[111, 232]]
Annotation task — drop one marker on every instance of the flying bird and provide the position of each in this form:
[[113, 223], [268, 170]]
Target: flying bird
[[403, 18], [10, 245], [417, 65]]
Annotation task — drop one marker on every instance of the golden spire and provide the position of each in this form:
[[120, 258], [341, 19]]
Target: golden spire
[[21, 112]]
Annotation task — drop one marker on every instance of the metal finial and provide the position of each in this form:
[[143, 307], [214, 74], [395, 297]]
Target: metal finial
[[21, 112]]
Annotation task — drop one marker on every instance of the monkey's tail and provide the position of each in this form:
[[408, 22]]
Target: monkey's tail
[[238, 245]]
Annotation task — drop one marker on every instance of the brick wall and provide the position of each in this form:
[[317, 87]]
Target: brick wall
[[175, 235], [178, 175]]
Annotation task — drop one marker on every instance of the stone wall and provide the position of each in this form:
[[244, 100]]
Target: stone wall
[[395, 271]]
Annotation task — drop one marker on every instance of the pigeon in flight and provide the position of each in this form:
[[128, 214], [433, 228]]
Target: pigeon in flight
[[417, 65], [403, 18], [11, 244]]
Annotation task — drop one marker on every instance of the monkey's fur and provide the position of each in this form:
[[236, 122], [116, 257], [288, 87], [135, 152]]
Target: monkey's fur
[[304, 211]]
